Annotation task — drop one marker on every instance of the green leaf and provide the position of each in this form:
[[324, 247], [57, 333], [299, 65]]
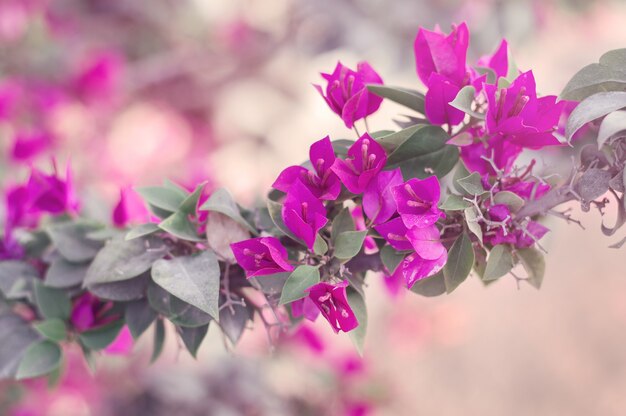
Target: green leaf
[[342, 222], [63, 274], [142, 230], [221, 201], [53, 329], [193, 279], [471, 219], [612, 124], [101, 337], [70, 239], [122, 260], [391, 258], [510, 199], [52, 303], [499, 262], [607, 75], [164, 198], [123, 291], [16, 278], [460, 262], [188, 206], [139, 316], [403, 96], [454, 203], [180, 226], [594, 107], [302, 278], [233, 322], [184, 314], [159, 340], [431, 286], [424, 153], [192, 337], [393, 140], [357, 335], [40, 359], [320, 247], [348, 244], [472, 184], [16, 335], [464, 100], [534, 264]]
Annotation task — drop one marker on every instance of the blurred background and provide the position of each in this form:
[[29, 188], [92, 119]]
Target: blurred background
[[132, 92]]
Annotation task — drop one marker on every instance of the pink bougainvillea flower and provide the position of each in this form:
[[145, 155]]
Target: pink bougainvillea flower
[[89, 312], [496, 148], [436, 52], [123, 343], [130, 209], [393, 282], [332, 301], [50, 193], [346, 92], [520, 237], [527, 189], [305, 336], [99, 77], [394, 232], [28, 145], [417, 201], [415, 268], [426, 242], [378, 202], [441, 91], [364, 160], [441, 65], [303, 214], [517, 114], [321, 181], [306, 308], [261, 256], [498, 62]]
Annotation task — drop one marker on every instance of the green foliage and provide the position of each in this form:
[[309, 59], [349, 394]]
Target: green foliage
[[403, 96], [460, 262], [233, 320], [52, 303], [53, 329], [499, 262], [607, 75], [194, 279], [357, 303], [593, 107], [159, 340], [391, 258], [72, 242], [302, 278], [39, 359], [534, 264], [179, 225], [192, 338], [122, 260], [454, 203], [510, 199], [612, 124], [348, 244], [142, 230], [431, 286], [101, 337], [341, 223], [464, 100], [63, 274], [221, 201], [139, 316], [472, 184], [423, 153]]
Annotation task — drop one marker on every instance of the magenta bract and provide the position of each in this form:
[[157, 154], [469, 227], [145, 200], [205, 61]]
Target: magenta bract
[[378, 202], [346, 92], [261, 256], [321, 181], [303, 214], [417, 201], [332, 301], [364, 160]]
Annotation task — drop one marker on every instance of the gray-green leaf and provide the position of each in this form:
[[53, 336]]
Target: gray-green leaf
[[302, 278], [460, 262]]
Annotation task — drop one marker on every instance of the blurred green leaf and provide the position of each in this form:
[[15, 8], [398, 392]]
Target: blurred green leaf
[[221, 201], [52, 303], [460, 262], [431, 286], [510, 199], [302, 278], [499, 262], [357, 335], [53, 329], [165, 198], [194, 279], [594, 107], [341, 223], [70, 239], [192, 337], [391, 258], [101, 337], [138, 316], [607, 75], [472, 184], [142, 230], [464, 100], [40, 359], [159, 340], [534, 264], [454, 203], [62, 274]]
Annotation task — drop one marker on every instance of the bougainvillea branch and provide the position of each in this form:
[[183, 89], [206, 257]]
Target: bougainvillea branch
[[421, 208]]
